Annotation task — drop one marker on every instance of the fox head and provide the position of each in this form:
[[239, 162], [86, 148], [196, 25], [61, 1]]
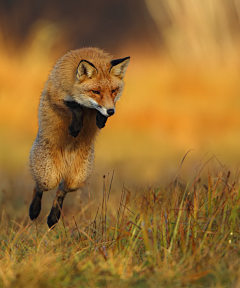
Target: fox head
[[99, 87]]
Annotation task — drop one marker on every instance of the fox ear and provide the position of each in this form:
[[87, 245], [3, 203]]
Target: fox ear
[[119, 67], [85, 68]]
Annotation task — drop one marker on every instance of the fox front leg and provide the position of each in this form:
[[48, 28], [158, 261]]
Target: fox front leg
[[55, 212], [101, 120], [35, 206], [77, 118]]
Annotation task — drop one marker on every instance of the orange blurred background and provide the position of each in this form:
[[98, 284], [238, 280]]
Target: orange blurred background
[[182, 84]]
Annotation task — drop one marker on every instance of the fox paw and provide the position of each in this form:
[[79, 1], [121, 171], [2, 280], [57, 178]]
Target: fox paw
[[101, 120], [35, 208], [53, 217]]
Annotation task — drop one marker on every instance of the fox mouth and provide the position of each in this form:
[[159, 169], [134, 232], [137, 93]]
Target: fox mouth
[[77, 117], [92, 104], [104, 111]]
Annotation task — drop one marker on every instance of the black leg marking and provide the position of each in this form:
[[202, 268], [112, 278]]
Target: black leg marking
[[35, 206], [77, 118], [55, 212], [101, 120]]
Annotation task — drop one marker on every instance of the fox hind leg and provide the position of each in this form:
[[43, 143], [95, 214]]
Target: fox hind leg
[[35, 206], [55, 212]]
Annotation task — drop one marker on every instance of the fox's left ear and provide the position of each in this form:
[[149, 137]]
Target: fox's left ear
[[119, 67]]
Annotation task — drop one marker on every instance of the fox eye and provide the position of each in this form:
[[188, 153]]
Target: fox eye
[[95, 92], [114, 90]]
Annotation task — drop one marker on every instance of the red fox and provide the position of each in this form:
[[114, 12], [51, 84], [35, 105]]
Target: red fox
[[79, 96]]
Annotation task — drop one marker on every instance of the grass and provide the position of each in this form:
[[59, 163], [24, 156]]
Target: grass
[[180, 235]]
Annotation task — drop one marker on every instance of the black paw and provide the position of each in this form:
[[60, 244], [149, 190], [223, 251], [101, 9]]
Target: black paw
[[101, 120], [35, 208], [53, 217], [77, 118]]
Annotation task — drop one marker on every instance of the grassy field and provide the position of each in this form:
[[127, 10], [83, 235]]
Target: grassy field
[[178, 235]]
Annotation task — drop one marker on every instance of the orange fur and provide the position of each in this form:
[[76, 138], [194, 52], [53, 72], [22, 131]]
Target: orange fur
[[87, 77]]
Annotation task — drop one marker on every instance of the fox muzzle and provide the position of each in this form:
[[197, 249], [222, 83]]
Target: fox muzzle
[[110, 112]]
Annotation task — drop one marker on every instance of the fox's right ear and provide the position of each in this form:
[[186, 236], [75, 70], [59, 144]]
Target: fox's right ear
[[85, 69]]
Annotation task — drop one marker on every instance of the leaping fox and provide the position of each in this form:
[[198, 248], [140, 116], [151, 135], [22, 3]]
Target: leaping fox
[[78, 97]]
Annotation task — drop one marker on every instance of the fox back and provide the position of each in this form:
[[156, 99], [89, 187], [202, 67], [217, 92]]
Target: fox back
[[79, 96]]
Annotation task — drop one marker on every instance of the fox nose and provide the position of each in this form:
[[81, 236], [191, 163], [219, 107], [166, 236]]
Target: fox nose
[[110, 112]]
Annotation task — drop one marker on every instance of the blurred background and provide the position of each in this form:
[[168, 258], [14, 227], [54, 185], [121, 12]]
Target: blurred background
[[182, 85]]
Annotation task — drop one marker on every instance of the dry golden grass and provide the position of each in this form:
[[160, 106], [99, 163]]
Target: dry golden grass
[[174, 236]]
